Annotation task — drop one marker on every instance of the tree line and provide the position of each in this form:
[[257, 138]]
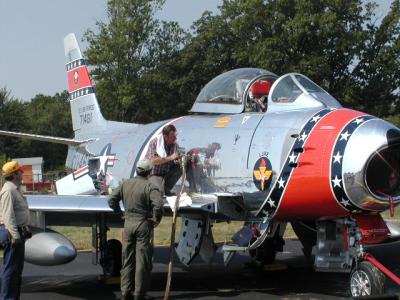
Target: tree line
[[146, 69]]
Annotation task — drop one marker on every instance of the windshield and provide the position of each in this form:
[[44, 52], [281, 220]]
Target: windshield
[[291, 86], [308, 85], [228, 88], [286, 91]]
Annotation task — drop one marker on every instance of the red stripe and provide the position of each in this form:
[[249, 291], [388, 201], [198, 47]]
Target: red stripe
[[78, 78], [80, 171], [308, 194]]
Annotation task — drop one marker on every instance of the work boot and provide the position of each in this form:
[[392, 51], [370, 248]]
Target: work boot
[[127, 297], [143, 297]]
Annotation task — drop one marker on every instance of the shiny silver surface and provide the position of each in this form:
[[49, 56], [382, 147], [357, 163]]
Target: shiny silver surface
[[364, 144], [49, 248], [394, 229], [91, 204]]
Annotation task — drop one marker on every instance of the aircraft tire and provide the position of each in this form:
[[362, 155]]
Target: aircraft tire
[[114, 260], [366, 280]]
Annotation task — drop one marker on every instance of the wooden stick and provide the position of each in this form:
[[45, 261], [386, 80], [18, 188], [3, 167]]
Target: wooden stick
[[173, 229]]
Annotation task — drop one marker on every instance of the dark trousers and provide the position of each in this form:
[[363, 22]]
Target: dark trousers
[[13, 264]]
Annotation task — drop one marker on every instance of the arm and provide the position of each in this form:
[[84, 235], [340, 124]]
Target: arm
[[114, 199], [7, 211], [156, 204], [155, 158]]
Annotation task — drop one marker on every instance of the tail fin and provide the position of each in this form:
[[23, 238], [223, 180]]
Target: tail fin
[[85, 110]]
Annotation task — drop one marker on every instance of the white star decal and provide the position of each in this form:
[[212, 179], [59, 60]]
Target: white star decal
[[265, 212], [281, 183], [344, 136], [292, 158], [336, 181], [337, 158], [358, 121], [303, 137], [271, 203], [345, 202], [316, 118]]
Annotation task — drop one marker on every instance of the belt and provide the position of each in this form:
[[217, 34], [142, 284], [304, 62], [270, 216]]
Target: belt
[[18, 227]]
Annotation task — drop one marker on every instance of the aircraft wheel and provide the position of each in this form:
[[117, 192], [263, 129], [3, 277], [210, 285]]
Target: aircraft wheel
[[114, 257], [366, 280]]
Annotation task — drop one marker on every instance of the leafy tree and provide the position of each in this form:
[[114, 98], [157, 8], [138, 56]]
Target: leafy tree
[[50, 115], [376, 77], [13, 117], [132, 44], [338, 44]]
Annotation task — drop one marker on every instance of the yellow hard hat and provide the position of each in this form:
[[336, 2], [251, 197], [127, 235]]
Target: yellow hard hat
[[11, 167]]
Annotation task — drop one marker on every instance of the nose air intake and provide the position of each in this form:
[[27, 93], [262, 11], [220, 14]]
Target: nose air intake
[[371, 166], [382, 173]]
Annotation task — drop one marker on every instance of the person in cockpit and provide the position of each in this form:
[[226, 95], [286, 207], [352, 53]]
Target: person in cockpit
[[260, 91]]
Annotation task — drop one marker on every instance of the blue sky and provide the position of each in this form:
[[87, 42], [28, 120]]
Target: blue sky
[[32, 33]]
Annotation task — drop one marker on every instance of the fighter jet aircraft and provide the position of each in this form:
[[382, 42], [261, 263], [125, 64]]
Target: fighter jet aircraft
[[264, 149]]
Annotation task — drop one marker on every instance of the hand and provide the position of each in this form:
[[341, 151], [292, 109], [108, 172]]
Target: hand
[[15, 242], [153, 222], [27, 232], [174, 156]]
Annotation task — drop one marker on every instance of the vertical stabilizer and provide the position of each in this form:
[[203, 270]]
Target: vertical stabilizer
[[85, 110]]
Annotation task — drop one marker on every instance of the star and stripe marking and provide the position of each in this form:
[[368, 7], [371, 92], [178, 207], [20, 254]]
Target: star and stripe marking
[[106, 160], [276, 193], [336, 164]]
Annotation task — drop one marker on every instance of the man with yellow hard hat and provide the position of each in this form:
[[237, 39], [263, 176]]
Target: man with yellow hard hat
[[14, 230]]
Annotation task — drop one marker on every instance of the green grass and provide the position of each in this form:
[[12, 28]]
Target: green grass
[[223, 231], [81, 237]]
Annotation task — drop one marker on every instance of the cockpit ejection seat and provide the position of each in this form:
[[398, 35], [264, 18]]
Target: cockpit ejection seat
[[260, 90]]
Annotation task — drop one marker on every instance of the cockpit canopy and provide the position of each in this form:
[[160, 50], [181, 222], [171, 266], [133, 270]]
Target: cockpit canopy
[[241, 90]]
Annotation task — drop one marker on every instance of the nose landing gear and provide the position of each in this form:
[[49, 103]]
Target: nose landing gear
[[366, 280]]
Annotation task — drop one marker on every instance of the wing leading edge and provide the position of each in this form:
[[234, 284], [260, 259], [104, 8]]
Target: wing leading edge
[[45, 138]]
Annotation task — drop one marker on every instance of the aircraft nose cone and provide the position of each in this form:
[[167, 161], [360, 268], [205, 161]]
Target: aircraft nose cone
[[371, 165], [64, 254]]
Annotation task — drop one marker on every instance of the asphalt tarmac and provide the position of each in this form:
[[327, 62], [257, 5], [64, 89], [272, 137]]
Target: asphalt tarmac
[[80, 279]]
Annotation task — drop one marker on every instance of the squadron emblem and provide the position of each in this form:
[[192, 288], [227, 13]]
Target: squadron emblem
[[76, 77], [262, 173]]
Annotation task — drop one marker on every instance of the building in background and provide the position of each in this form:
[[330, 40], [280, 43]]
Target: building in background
[[32, 167]]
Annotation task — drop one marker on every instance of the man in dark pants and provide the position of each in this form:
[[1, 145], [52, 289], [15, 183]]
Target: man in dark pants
[[14, 220], [143, 211], [163, 152]]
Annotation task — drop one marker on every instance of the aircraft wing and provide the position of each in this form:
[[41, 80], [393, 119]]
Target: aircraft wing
[[45, 138], [82, 210]]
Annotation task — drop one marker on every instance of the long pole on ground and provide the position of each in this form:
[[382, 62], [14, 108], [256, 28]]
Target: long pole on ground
[[173, 229]]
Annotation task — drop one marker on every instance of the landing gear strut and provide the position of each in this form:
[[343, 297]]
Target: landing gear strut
[[107, 252]]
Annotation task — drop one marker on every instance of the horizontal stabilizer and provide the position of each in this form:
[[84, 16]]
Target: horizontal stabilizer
[[46, 138]]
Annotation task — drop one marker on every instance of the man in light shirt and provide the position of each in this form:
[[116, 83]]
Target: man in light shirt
[[14, 230]]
